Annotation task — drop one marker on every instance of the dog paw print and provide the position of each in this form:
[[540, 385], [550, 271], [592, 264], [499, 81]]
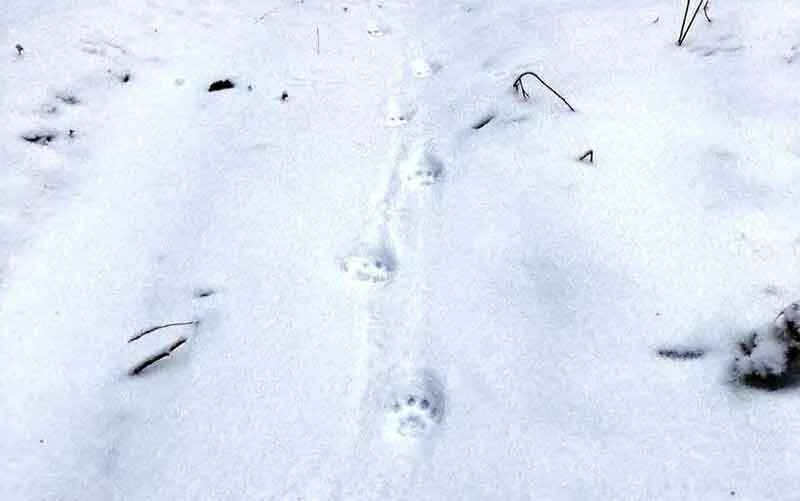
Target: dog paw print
[[415, 415], [367, 268], [424, 171]]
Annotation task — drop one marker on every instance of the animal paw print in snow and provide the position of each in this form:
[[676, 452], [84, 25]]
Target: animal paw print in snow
[[367, 268], [422, 68], [424, 172], [397, 118], [415, 415]]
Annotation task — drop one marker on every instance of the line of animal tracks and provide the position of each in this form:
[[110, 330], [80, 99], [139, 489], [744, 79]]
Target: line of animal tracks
[[399, 399]]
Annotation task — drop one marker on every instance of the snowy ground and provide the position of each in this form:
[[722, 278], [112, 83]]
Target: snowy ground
[[386, 302]]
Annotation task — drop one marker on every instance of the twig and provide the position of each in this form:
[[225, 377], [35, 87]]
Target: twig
[[147, 331], [136, 369], [518, 87], [318, 40], [683, 33], [681, 353], [683, 23], [589, 154], [705, 12], [482, 122]]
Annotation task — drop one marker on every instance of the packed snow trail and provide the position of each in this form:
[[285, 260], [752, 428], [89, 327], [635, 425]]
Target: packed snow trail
[[496, 338]]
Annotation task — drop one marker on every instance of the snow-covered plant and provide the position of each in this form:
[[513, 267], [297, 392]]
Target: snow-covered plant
[[768, 357]]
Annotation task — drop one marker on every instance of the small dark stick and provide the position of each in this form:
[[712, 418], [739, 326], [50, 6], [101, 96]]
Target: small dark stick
[[136, 369], [482, 122], [589, 154], [705, 11], [683, 23], [19, 48], [680, 353], [147, 331], [519, 88]]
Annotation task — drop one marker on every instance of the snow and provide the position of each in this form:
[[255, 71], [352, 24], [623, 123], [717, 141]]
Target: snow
[[359, 247]]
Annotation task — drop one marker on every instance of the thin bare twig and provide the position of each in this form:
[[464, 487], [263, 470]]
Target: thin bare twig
[[147, 331], [518, 87], [683, 23], [589, 154], [705, 11], [147, 362], [482, 122], [681, 353], [683, 33]]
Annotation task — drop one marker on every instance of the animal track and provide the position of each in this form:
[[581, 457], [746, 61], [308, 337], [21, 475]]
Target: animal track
[[423, 170], [40, 136], [421, 68], [377, 30], [397, 117], [370, 264], [416, 408], [399, 112], [367, 269]]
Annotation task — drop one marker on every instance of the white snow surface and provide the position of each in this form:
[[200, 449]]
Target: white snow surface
[[508, 301]]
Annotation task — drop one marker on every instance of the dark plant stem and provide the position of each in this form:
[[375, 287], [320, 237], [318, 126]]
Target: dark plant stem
[[589, 154], [705, 11], [683, 34], [683, 23], [136, 369], [518, 87], [147, 331]]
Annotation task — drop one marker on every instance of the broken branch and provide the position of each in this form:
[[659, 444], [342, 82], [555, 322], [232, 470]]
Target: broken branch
[[518, 87], [156, 357], [147, 331]]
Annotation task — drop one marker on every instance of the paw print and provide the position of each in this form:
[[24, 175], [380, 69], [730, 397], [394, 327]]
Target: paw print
[[425, 172], [415, 415], [397, 119], [422, 68], [399, 111], [423, 176], [367, 268]]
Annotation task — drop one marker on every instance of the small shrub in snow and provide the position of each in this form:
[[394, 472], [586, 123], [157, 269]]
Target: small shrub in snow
[[768, 357]]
